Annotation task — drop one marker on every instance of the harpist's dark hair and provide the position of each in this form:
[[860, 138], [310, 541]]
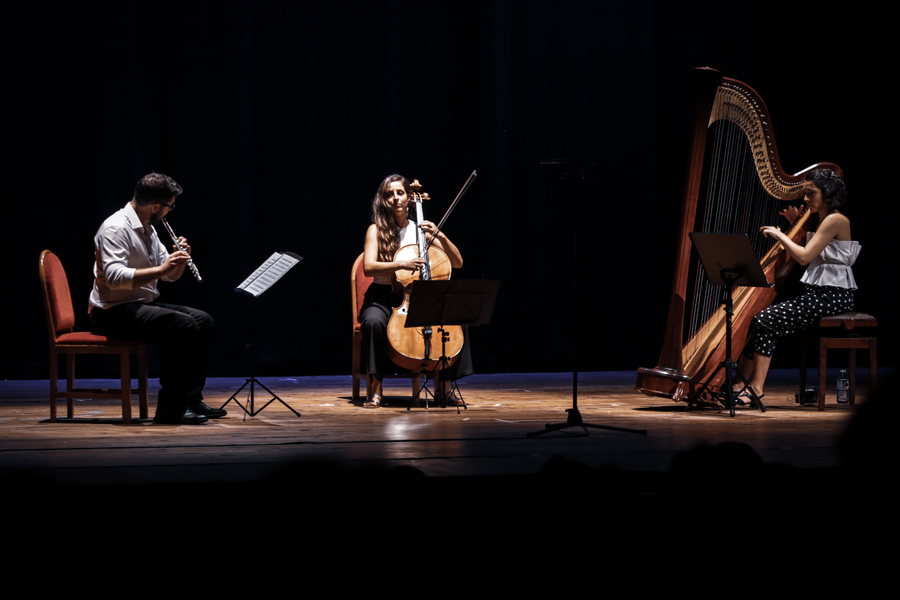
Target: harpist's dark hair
[[155, 187], [834, 190]]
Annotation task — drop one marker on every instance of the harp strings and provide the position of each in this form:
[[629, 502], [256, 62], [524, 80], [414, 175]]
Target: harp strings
[[736, 202]]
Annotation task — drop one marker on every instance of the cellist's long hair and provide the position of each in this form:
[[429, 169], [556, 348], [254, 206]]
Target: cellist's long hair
[[388, 232]]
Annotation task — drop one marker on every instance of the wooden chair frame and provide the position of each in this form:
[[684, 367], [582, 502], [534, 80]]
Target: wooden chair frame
[[848, 322], [64, 340], [357, 293]]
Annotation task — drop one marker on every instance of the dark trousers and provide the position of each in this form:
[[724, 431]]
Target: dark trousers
[[796, 314], [376, 312], [184, 334]]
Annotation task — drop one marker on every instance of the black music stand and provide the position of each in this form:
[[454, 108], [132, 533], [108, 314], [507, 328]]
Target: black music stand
[[439, 303], [578, 170], [729, 261], [261, 280]]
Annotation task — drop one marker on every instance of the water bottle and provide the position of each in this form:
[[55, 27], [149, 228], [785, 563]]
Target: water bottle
[[843, 388]]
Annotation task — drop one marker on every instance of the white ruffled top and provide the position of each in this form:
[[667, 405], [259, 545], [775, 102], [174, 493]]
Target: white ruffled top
[[833, 266]]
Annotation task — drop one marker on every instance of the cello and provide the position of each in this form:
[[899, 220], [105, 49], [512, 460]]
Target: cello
[[414, 348]]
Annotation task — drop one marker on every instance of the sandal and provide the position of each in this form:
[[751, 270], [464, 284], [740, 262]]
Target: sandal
[[453, 399], [374, 402], [746, 394]]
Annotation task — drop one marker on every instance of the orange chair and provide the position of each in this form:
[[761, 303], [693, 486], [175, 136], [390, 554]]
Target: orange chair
[[63, 340], [359, 283]]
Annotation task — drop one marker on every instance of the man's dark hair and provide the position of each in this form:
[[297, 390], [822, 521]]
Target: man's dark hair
[[155, 187], [834, 190]]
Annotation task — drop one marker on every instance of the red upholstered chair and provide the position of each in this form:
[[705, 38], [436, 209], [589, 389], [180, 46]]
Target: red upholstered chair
[[359, 283], [63, 340]]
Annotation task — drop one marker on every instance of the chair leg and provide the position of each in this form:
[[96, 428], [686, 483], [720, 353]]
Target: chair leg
[[440, 389], [70, 384], [125, 373], [356, 380], [142, 384], [54, 366], [417, 385], [852, 375]]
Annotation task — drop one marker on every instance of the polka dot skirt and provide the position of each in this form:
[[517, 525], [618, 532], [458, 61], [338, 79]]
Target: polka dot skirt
[[797, 314]]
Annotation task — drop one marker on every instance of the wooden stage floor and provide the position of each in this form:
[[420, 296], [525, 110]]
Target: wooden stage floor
[[486, 439]]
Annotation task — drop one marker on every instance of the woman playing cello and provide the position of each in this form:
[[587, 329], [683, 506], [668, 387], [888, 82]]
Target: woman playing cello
[[391, 230]]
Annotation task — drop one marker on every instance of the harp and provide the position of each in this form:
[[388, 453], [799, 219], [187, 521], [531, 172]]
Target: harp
[[735, 184]]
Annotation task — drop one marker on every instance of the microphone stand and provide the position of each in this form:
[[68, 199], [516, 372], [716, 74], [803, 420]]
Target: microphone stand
[[578, 171]]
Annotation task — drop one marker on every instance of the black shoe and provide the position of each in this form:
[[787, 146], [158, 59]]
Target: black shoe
[[188, 418], [202, 409]]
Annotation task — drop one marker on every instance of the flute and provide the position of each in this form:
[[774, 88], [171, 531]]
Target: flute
[[190, 262]]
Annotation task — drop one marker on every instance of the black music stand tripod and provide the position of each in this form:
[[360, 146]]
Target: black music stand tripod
[[252, 381], [577, 170], [264, 277], [440, 303], [738, 265]]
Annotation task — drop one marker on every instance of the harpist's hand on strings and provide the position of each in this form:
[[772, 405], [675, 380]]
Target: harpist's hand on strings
[[770, 231], [790, 213]]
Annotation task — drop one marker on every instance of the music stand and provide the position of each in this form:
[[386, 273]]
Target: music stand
[[264, 277], [578, 170], [729, 261], [439, 303]]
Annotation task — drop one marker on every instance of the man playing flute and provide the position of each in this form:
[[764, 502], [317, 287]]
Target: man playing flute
[[129, 260]]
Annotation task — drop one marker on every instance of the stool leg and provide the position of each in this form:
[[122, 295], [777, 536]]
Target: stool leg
[[873, 364], [853, 376], [823, 354], [802, 370]]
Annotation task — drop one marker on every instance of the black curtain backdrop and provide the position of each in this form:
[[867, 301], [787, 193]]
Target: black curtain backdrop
[[280, 119]]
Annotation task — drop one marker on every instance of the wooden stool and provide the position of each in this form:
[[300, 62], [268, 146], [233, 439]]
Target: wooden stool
[[849, 322]]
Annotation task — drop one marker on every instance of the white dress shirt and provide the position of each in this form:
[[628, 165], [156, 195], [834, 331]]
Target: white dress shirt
[[123, 245]]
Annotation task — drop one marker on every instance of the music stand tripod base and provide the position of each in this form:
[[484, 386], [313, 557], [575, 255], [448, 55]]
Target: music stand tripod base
[[434, 375], [249, 409], [573, 419]]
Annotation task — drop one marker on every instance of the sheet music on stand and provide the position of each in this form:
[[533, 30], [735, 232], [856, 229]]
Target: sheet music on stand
[[259, 281], [268, 273]]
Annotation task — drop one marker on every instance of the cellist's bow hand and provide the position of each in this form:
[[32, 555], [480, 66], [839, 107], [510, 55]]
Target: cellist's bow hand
[[790, 213]]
